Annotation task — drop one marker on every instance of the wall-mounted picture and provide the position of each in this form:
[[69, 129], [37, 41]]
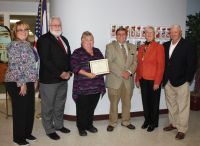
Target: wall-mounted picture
[[5, 39], [136, 33]]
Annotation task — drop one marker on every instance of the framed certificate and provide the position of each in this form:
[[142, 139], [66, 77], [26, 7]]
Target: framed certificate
[[99, 67]]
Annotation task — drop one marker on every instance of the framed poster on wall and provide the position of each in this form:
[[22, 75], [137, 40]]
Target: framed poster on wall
[[5, 39]]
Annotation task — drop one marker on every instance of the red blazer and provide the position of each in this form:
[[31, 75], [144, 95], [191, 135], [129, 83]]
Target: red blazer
[[153, 64]]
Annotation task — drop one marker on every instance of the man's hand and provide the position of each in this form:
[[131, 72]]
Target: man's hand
[[126, 75], [65, 75]]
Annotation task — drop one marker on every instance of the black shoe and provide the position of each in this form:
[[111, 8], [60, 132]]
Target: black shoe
[[92, 129], [145, 125], [82, 133], [150, 128], [53, 136], [129, 126], [22, 143], [31, 138], [110, 128], [64, 130]]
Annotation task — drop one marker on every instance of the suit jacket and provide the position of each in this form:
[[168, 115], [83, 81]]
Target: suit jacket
[[117, 65], [181, 66], [153, 65], [53, 58]]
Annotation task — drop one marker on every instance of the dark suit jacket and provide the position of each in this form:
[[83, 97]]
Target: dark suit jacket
[[181, 66], [53, 59]]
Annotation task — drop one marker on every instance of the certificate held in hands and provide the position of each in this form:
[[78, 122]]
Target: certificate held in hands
[[99, 66]]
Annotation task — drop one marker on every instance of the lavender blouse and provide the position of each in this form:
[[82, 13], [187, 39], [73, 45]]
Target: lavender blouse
[[83, 85]]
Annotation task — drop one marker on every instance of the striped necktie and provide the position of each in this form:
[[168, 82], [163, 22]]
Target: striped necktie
[[124, 52], [60, 42]]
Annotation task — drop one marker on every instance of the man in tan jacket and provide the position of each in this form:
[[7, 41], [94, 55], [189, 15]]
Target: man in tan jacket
[[122, 59]]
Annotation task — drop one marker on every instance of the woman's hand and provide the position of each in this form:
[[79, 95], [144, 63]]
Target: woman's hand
[[91, 75], [23, 90], [137, 84], [87, 74], [155, 87], [36, 85]]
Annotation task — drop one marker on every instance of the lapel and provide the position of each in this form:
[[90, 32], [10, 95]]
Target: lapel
[[129, 52], [167, 49], [175, 49], [149, 49], [55, 41], [119, 52]]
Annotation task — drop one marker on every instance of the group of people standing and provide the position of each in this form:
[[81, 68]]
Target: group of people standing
[[171, 64]]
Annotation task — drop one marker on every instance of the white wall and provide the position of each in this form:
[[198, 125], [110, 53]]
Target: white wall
[[97, 16]]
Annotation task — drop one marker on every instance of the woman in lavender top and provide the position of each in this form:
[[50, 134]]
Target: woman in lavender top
[[87, 86], [21, 80]]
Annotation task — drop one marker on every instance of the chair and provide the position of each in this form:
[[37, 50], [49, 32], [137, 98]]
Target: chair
[[3, 68]]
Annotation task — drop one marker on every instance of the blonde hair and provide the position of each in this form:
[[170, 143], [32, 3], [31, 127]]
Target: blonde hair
[[86, 34], [150, 27], [14, 30]]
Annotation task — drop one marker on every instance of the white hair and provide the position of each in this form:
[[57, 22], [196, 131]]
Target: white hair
[[55, 18], [177, 26], [150, 27]]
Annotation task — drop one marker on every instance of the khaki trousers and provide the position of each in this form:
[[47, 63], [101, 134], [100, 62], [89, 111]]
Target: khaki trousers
[[178, 104], [114, 96]]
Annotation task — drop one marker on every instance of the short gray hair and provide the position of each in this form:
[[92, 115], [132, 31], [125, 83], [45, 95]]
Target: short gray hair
[[176, 26], [53, 18]]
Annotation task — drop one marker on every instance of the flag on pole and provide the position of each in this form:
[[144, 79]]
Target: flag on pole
[[41, 26]]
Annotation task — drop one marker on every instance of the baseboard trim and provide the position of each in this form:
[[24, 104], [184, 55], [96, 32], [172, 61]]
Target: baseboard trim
[[105, 117]]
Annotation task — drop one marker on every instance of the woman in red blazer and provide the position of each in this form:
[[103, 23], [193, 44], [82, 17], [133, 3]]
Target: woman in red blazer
[[149, 74]]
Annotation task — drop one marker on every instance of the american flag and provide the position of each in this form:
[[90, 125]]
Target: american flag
[[41, 26]]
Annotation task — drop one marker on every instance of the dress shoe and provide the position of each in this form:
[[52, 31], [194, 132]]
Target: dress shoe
[[31, 138], [169, 128], [53, 136], [92, 129], [64, 130], [129, 126], [110, 128], [22, 143], [180, 135], [82, 133], [145, 125], [150, 128]]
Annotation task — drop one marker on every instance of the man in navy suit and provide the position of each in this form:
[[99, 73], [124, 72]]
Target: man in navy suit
[[180, 66], [54, 52]]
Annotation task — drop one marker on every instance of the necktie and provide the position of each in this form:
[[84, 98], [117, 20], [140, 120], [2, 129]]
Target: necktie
[[60, 42], [124, 52]]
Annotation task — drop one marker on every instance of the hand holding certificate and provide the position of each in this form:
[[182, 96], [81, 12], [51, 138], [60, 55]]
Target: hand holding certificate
[[99, 66]]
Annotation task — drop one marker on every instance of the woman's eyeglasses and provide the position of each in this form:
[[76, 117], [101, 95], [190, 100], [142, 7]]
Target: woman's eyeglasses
[[22, 30]]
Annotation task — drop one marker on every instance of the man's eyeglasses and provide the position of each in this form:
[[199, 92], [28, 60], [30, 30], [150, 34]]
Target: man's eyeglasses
[[55, 25], [22, 30]]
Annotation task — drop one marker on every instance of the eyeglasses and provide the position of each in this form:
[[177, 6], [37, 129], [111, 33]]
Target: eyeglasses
[[22, 30], [55, 25]]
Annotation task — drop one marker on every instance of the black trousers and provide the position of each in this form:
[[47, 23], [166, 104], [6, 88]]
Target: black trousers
[[150, 101], [23, 108], [85, 106]]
